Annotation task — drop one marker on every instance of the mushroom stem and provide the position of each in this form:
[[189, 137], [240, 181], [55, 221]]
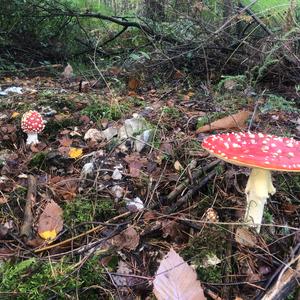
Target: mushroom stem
[[32, 138], [258, 188]]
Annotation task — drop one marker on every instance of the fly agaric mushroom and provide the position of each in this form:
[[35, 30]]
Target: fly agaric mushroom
[[32, 123], [261, 152]]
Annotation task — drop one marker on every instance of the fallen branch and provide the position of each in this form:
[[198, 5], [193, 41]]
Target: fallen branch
[[26, 229], [286, 281]]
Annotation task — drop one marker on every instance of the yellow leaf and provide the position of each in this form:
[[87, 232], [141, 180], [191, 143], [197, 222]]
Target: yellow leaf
[[48, 235], [50, 221], [15, 114], [75, 152]]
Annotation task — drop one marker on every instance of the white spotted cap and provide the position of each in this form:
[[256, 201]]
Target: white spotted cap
[[32, 122], [256, 150]]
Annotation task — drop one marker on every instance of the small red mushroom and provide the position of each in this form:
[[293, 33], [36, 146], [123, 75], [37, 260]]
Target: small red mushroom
[[261, 152], [32, 123]]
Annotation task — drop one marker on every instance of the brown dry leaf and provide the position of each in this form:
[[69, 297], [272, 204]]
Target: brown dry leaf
[[65, 141], [128, 239], [178, 74], [64, 151], [132, 94], [68, 72], [245, 237], [66, 188], [133, 84], [237, 120], [174, 230], [175, 279], [135, 168], [135, 164], [230, 84], [50, 221]]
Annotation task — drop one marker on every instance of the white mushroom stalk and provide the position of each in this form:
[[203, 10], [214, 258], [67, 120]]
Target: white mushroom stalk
[[32, 138], [258, 189], [262, 153]]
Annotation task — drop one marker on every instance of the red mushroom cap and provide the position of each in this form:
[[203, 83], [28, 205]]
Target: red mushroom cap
[[32, 122], [256, 150]]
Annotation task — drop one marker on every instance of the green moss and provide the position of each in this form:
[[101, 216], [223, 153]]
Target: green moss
[[39, 280], [136, 102], [98, 110], [37, 160], [211, 242], [87, 210], [57, 102], [171, 112], [278, 103], [53, 126]]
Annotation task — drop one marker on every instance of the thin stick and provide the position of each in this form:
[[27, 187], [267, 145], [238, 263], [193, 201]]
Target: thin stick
[[95, 229], [26, 229], [195, 175]]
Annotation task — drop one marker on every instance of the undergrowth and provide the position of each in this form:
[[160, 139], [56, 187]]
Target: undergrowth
[[34, 279]]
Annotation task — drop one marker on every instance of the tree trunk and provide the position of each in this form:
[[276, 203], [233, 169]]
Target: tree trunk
[[155, 9]]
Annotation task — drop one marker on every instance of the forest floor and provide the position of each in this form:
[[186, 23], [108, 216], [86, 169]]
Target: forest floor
[[122, 195]]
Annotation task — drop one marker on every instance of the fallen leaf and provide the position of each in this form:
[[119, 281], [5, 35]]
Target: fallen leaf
[[50, 221], [118, 191], [128, 239], [133, 84], [178, 74], [93, 135], [178, 166], [65, 141], [15, 114], [124, 279], [245, 237], [237, 120], [135, 164], [117, 175], [210, 260], [175, 279], [135, 204], [174, 230], [68, 72], [75, 152], [65, 188]]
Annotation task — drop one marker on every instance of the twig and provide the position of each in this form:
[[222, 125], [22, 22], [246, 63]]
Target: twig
[[95, 229], [41, 67], [233, 17], [195, 175], [181, 201], [256, 19], [26, 229]]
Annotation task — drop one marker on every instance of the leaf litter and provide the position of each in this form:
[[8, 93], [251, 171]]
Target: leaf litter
[[123, 173]]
